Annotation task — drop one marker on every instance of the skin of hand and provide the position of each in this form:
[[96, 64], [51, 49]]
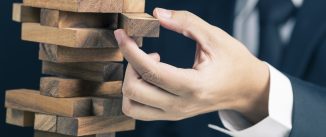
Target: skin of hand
[[225, 75]]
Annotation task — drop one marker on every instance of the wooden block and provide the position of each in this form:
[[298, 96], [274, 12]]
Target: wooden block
[[70, 37], [68, 88], [21, 13], [98, 6], [107, 106], [140, 24], [19, 118], [48, 123], [100, 72], [82, 126], [44, 122], [49, 134], [133, 6], [31, 100], [60, 54], [65, 19]]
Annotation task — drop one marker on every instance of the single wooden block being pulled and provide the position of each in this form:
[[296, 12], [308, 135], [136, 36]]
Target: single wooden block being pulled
[[61, 54], [70, 37], [100, 72], [44, 122], [107, 106], [64, 19], [49, 134], [98, 6], [68, 88], [31, 100], [82, 126], [21, 13], [140, 24], [19, 118]]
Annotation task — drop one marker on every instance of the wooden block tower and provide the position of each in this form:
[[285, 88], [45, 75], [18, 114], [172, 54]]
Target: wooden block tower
[[81, 94]]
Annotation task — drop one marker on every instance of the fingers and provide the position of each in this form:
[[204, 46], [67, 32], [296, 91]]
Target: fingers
[[187, 24], [162, 75], [140, 111], [140, 91], [143, 101]]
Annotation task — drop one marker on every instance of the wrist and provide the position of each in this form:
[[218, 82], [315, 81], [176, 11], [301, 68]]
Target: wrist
[[254, 104]]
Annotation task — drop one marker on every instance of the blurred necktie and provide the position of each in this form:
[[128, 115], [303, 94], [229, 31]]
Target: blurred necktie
[[273, 14]]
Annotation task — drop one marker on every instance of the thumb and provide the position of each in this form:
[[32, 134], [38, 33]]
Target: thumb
[[186, 23]]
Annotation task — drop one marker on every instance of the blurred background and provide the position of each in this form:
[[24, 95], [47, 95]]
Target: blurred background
[[20, 67]]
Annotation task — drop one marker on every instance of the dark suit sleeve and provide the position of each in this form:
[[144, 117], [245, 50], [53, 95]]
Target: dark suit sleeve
[[309, 110]]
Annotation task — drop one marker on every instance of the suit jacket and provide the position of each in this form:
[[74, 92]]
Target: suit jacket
[[303, 61]]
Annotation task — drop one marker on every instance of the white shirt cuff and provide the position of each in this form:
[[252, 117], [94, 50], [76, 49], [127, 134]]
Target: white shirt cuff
[[279, 121]]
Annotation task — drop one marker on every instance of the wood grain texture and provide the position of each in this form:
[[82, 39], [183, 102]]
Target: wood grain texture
[[61, 54], [31, 100], [47, 125], [67, 88], [49, 134], [19, 118], [94, 125], [130, 6], [70, 37], [140, 24], [65, 19], [44, 122], [21, 13], [98, 6], [107, 106], [100, 72]]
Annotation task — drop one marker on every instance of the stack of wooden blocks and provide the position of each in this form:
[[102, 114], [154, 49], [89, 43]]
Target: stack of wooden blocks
[[78, 48]]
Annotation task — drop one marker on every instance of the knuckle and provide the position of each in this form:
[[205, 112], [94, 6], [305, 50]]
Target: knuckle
[[187, 23], [127, 109]]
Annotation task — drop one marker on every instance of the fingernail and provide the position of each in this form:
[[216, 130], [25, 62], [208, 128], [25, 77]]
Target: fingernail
[[118, 36], [167, 14]]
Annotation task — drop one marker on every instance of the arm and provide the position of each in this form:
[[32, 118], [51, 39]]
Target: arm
[[309, 109], [299, 105], [279, 120], [225, 76]]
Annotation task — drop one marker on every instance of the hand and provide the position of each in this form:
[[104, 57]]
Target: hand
[[224, 76]]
